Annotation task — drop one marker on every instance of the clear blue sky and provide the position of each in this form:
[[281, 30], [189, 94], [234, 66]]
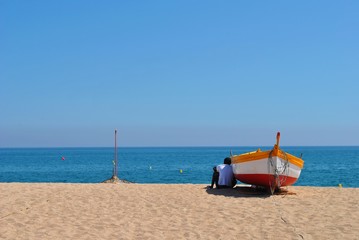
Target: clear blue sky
[[178, 73]]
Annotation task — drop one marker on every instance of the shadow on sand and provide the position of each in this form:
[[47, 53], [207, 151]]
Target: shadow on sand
[[245, 192]]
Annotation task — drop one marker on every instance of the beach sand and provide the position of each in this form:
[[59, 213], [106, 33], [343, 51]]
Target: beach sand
[[174, 211]]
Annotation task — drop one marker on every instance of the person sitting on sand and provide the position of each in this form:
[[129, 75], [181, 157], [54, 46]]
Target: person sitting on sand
[[226, 177]]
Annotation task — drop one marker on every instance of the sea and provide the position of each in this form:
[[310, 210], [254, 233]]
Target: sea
[[323, 166]]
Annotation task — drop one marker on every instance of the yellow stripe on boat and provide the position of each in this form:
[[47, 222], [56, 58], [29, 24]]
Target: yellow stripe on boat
[[258, 155]]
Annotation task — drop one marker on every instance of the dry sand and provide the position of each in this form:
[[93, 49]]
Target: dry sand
[[151, 211]]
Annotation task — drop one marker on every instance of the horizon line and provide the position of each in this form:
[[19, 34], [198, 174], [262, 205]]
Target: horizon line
[[199, 146]]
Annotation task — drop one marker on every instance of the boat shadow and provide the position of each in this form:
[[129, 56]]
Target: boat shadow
[[240, 192]]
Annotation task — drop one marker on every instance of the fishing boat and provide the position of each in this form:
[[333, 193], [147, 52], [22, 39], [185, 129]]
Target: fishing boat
[[273, 169]]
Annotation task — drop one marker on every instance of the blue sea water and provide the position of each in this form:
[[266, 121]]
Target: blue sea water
[[324, 166]]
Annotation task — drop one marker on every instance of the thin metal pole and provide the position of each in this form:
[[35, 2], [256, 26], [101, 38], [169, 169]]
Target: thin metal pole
[[116, 162]]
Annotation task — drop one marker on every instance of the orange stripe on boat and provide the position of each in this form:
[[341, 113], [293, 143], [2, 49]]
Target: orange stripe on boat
[[258, 155]]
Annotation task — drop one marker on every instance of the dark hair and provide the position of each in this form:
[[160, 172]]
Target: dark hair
[[227, 160]]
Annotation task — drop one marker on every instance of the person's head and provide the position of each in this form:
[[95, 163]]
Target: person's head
[[227, 161], [214, 169]]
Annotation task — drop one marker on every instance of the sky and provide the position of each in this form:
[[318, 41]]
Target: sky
[[178, 73]]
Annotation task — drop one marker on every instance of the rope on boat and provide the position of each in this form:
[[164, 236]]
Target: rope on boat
[[272, 171], [285, 170], [279, 173]]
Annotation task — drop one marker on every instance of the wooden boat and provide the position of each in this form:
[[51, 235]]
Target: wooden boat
[[274, 168]]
